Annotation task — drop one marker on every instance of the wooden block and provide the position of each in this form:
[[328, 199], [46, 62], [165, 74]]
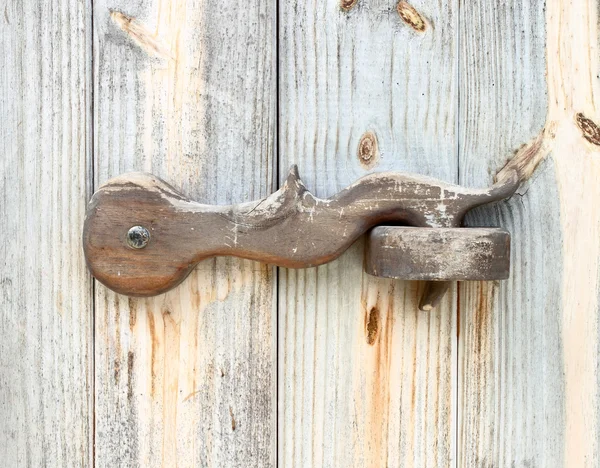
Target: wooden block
[[438, 254]]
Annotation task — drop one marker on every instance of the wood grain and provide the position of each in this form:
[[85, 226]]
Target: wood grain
[[45, 290], [528, 347], [439, 254], [186, 90], [365, 379], [290, 228]]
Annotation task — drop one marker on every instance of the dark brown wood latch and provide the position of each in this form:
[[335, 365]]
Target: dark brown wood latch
[[142, 237]]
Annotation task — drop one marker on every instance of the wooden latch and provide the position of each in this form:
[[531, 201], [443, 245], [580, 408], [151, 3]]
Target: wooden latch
[[142, 237]]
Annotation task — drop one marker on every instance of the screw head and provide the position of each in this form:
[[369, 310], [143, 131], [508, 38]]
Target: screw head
[[138, 237]]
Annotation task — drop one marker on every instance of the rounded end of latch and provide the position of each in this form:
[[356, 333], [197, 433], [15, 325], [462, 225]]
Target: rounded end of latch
[[131, 239]]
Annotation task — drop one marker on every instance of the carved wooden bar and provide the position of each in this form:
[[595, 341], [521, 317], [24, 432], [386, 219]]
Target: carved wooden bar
[[142, 237]]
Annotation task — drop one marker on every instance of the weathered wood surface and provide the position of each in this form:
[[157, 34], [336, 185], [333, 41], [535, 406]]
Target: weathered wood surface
[[290, 228], [186, 90], [439, 254], [528, 390], [45, 290], [365, 378]]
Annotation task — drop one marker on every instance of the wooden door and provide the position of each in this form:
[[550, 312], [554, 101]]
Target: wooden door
[[249, 365]]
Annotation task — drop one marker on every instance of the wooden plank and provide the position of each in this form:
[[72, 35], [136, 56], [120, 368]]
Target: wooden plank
[[186, 90], [509, 346], [365, 379], [45, 290], [529, 380]]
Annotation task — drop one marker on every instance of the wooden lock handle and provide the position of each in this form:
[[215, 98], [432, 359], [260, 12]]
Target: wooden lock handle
[[290, 228]]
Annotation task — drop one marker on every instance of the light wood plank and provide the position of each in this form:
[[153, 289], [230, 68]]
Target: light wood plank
[[186, 90], [529, 346], [45, 291], [510, 361], [365, 379]]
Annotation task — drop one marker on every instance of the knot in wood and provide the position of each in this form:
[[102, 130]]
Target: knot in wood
[[348, 4], [368, 150], [411, 16]]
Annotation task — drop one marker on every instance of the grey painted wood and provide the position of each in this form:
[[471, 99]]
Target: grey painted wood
[[528, 346], [45, 290], [186, 91], [365, 379]]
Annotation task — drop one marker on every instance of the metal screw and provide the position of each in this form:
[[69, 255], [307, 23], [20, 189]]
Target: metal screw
[[138, 237]]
